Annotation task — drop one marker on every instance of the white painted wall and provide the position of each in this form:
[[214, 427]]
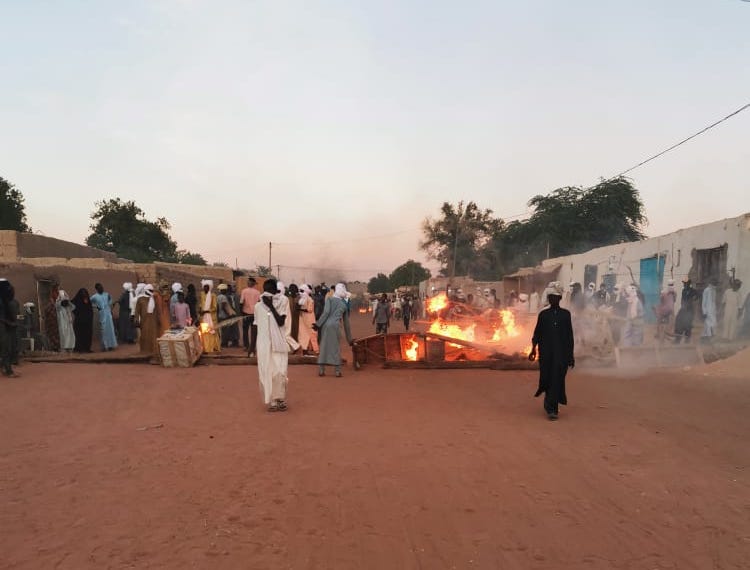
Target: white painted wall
[[675, 247]]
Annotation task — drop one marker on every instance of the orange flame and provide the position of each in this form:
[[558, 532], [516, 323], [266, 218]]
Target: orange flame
[[437, 303], [362, 310], [205, 328], [507, 327], [412, 351], [453, 330]]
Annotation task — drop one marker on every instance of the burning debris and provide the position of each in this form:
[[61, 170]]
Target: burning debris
[[457, 336]]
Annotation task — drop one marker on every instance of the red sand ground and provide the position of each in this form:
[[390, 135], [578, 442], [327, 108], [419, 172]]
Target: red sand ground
[[392, 469]]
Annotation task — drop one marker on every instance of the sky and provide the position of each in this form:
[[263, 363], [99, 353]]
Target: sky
[[332, 129]]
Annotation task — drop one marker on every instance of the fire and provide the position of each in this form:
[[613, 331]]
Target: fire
[[507, 327], [437, 303], [412, 351], [363, 310], [493, 329], [453, 330], [205, 328]]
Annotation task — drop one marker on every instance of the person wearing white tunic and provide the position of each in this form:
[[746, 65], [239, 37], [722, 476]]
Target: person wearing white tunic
[[632, 332], [708, 307], [308, 338], [732, 304], [271, 348], [65, 322], [281, 302], [534, 302]]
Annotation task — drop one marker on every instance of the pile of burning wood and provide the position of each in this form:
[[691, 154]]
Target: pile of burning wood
[[456, 336]]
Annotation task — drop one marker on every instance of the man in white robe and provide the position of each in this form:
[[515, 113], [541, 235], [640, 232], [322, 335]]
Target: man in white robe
[[732, 307], [65, 322], [272, 350], [708, 307], [281, 303]]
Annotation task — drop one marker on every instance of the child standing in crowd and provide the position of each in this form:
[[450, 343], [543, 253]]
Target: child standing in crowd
[[181, 311]]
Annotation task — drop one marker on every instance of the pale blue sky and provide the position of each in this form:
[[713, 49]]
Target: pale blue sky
[[329, 122]]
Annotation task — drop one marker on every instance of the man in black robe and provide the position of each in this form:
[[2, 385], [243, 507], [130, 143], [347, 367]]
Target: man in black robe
[[553, 335]]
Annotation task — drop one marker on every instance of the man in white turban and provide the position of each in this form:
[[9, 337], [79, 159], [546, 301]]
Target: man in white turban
[[65, 322], [148, 320], [708, 306], [176, 289], [308, 338], [207, 310], [632, 332], [272, 349], [334, 313], [126, 308]]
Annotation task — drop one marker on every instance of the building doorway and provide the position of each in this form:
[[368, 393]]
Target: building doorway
[[652, 276], [43, 291]]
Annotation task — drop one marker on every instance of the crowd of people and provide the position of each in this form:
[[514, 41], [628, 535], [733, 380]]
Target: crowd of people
[[284, 320], [623, 308]]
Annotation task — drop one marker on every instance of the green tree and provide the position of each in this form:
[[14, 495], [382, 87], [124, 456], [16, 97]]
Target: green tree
[[263, 271], [457, 238], [568, 220], [379, 284], [12, 208], [409, 273], [122, 227], [573, 220]]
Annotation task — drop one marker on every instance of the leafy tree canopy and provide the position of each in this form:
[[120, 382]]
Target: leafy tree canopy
[[122, 227], [574, 220], [409, 273], [568, 220], [12, 208], [456, 238], [379, 284]]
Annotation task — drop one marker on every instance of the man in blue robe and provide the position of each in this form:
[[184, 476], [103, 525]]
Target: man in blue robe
[[103, 303]]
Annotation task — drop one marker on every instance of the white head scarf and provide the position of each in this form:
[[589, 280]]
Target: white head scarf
[[340, 291], [135, 295], [148, 291], [632, 297], [176, 287], [127, 286], [305, 292], [280, 287]]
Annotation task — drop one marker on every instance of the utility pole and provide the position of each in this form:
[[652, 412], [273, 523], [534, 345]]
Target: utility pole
[[455, 250], [269, 257], [278, 272]]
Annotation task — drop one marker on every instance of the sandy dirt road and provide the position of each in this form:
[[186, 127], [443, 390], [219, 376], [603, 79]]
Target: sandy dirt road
[[379, 469]]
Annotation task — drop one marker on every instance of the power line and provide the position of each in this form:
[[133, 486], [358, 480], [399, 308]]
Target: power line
[[527, 213], [657, 155], [683, 141]]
